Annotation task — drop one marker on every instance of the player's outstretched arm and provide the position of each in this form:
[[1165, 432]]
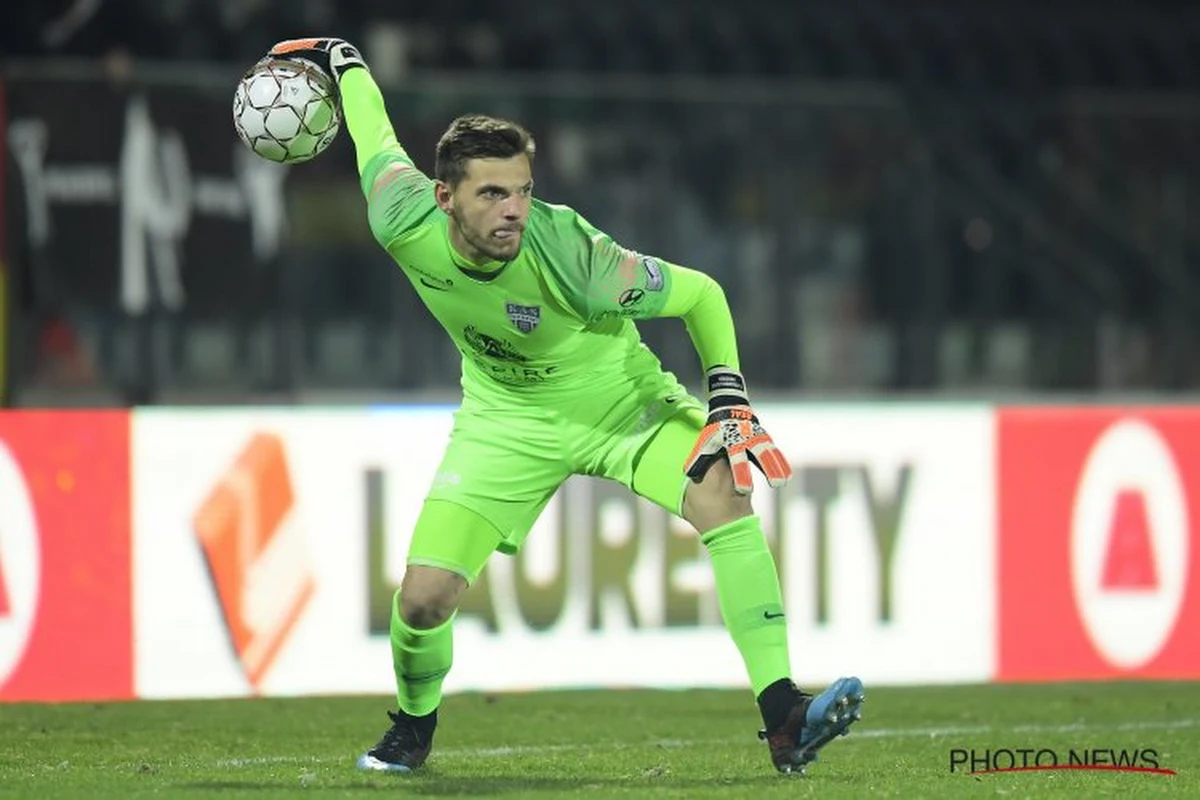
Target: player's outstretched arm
[[399, 196], [367, 119]]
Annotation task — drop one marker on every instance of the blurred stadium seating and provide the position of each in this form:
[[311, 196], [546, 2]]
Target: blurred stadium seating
[[919, 196]]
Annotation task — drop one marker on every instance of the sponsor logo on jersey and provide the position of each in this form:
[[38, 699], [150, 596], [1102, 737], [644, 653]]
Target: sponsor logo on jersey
[[631, 297], [618, 313], [491, 347], [526, 318]]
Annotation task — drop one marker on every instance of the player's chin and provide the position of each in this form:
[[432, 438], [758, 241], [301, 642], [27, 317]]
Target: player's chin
[[505, 249]]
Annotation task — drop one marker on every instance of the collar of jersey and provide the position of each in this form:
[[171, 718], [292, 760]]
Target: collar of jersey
[[489, 271]]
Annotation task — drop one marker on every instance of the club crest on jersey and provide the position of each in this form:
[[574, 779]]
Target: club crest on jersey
[[526, 318]]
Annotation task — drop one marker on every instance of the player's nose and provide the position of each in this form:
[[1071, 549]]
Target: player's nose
[[513, 209]]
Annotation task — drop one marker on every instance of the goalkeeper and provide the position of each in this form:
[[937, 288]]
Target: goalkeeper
[[556, 381]]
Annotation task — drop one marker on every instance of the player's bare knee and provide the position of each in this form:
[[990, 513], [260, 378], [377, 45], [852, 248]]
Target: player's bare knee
[[429, 595], [713, 502], [424, 611]]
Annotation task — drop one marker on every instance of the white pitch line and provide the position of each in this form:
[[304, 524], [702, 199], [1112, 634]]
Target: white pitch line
[[866, 733]]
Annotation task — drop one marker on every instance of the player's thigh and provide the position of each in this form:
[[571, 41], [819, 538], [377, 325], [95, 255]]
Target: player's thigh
[[660, 477], [501, 467], [454, 538], [658, 468]]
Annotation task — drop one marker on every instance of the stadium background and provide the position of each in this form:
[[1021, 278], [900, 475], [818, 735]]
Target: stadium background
[[959, 241]]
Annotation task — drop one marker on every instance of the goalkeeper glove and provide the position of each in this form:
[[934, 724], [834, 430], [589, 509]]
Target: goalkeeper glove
[[334, 56], [734, 431]]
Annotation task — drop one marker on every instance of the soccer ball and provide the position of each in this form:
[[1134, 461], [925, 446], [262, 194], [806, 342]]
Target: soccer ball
[[286, 110]]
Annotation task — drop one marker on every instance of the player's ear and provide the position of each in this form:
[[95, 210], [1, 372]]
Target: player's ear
[[443, 196]]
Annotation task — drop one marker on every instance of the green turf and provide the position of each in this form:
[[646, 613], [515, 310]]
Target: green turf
[[687, 744]]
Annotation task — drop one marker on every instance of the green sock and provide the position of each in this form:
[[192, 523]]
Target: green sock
[[750, 599], [421, 660]]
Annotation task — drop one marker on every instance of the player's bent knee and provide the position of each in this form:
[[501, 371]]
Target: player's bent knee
[[713, 502], [429, 595]]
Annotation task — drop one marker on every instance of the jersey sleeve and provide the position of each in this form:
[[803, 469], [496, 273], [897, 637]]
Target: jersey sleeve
[[700, 302], [616, 281], [609, 280], [399, 196]]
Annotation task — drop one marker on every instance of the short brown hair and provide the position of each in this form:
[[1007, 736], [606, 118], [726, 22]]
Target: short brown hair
[[478, 136]]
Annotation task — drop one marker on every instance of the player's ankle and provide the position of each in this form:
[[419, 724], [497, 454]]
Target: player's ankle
[[424, 724], [776, 701]]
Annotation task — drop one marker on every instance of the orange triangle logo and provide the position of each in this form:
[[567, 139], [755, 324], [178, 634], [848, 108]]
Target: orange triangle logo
[[1129, 562]]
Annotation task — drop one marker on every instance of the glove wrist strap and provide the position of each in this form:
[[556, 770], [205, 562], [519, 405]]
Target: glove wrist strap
[[726, 387], [344, 57]]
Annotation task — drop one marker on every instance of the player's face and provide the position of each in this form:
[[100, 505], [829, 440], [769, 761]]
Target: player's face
[[488, 208]]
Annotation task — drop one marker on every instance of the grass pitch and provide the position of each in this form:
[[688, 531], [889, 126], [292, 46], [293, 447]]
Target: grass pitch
[[683, 744]]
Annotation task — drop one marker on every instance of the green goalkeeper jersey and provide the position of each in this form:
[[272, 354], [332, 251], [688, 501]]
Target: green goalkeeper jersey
[[556, 320]]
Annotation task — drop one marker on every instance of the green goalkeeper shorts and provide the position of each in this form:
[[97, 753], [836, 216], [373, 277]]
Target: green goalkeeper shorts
[[505, 463]]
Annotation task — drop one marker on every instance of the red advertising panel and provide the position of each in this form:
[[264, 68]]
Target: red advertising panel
[[65, 586], [1098, 521]]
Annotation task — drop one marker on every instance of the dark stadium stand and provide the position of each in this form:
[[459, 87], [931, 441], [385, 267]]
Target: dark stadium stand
[[928, 195]]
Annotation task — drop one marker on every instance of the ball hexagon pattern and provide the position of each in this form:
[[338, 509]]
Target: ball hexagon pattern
[[286, 110]]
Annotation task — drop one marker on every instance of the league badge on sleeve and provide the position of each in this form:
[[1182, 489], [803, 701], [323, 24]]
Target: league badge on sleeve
[[654, 275]]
